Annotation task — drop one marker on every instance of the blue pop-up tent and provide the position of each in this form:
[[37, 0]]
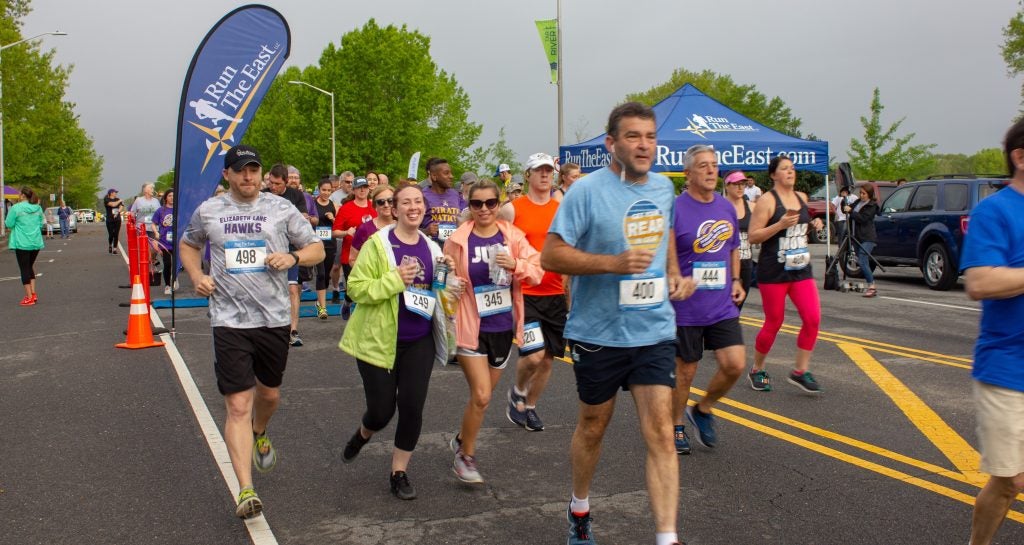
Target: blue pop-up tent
[[689, 117]]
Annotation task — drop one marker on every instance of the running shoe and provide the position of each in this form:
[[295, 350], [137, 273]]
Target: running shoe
[[513, 413], [352, 448], [705, 426], [401, 487], [264, 457], [115, 251], [579, 529], [682, 440], [533, 422], [455, 444], [464, 467], [167, 290], [294, 339], [27, 301], [35, 299], [321, 312], [805, 382], [346, 312], [760, 381], [249, 504]]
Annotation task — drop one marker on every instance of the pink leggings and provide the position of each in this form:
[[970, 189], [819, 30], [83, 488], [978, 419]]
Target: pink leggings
[[804, 294]]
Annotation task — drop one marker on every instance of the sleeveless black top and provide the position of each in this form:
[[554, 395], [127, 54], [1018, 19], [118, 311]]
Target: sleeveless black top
[[744, 223], [323, 221], [785, 257]]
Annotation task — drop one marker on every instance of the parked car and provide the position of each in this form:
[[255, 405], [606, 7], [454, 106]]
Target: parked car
[[922, 224], [816, 206], [50, 215], [86, 215]]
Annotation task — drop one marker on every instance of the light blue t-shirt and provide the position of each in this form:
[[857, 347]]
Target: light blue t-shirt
[[995, 238], [603, 215]]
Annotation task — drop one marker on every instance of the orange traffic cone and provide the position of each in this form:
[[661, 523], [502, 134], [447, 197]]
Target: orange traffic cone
[[140, 335]]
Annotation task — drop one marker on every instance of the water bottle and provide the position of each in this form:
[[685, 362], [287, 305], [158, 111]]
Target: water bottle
[[440, 275]]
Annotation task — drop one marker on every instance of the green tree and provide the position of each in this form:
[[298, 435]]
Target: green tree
[[951, 163], [744, 99], [884, 156], [485, 160], [1013, 45], [988, 161], [164, 181], [43, 139], [391, 101]]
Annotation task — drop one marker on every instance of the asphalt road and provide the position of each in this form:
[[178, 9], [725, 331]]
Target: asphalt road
[[101, 445]]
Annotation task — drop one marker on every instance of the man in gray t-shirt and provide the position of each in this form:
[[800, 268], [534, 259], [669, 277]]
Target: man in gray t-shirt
[[249, 233]]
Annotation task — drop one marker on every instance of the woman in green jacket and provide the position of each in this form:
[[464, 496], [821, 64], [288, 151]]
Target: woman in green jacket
[[396, 332], [25, 220]]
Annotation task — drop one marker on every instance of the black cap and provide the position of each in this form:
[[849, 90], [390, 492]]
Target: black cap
[[241, 155]]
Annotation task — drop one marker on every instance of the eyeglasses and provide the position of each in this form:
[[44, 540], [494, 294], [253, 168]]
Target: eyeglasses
[[476, 204], [382, 202]]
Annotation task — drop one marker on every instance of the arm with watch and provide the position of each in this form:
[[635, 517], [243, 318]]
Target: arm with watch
[[738, 294]]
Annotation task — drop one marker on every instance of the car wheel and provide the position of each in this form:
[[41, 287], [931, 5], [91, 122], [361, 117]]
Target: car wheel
[[851, 266], [937, 268], [817, 236]]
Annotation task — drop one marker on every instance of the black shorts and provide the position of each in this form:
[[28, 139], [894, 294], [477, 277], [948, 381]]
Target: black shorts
[[243, 356], [544, 316], [602, 370], [694, 339], [496, 347]]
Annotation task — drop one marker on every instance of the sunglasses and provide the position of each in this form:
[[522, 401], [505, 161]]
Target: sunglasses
[[382, 202], [476, 204]]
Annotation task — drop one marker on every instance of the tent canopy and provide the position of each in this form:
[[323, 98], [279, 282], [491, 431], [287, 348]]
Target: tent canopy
[[689, 117]]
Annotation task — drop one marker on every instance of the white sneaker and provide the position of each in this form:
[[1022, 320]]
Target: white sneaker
[[464, 468], [167, 290], [175, 285]]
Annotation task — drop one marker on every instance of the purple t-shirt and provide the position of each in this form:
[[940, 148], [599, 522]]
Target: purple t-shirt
[[444, 210], [479, 276], [363, 233], [412, 326], [706, 234], [164, 220]]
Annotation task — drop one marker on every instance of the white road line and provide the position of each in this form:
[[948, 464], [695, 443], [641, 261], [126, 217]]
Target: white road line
[[8, 278], [929, 303], [259, 529]]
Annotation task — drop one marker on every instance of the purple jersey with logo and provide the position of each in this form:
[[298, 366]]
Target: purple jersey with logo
[[706, 234], [164, 220], [412, 326], [442, 209], [479, 275]]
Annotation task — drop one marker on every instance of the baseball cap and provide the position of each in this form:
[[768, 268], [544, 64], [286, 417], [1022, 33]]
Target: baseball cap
[[539, 159], [503, 168], [360, 182], [111, 190], [735, 177], [241, 155], [468, 178], [515, 187]]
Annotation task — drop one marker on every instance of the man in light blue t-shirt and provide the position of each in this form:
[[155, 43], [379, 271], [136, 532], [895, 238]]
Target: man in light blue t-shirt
[[993, 265], [613, 235]]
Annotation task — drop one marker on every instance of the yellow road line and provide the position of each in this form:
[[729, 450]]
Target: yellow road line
[[949, 442]]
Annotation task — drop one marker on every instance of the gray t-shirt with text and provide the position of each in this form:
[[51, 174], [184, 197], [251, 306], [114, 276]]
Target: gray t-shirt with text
[[248, 294]]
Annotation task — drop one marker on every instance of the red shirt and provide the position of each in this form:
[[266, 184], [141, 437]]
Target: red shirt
[[351, 215]]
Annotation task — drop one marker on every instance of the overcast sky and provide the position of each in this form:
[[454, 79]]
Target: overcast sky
[[937, 63]]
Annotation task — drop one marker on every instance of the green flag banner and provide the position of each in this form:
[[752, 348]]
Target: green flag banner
[[548, 31]]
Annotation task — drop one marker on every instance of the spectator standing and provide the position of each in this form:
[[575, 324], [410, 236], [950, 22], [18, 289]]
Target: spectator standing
[[752, 192], [25, 222], [112, 207], [64, 218], [163, 226]]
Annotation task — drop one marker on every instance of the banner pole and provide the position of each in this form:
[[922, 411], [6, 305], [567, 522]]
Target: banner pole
[[558, 34]]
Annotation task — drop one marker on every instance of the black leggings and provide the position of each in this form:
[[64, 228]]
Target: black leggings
[[323, 269], [26, 264], [404, 387], [345, 271], [746, 278], [113, 228], [167, 257]]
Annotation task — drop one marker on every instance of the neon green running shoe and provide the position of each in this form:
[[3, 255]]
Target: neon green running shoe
[[264, 457], [249, 504]]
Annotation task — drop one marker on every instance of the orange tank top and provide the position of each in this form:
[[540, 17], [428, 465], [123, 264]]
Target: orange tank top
[[534, 220]]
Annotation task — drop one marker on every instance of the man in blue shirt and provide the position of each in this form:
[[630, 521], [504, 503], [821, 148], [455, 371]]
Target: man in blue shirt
[[613, 235], [993, 265], [64, 217]]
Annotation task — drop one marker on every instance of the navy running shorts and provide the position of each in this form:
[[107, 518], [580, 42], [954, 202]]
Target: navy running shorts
[[602, 370], [544, 319], [694, 340]]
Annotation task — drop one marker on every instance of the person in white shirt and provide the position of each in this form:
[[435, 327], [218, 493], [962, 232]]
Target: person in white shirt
[[752, 192]]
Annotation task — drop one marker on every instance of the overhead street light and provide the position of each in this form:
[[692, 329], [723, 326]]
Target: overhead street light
[[3, 196], [334, 161]]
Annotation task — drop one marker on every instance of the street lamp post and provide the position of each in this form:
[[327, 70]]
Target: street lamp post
[[334, 160], [3, 196]]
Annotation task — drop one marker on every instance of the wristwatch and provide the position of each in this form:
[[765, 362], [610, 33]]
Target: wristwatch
[[296, 256]]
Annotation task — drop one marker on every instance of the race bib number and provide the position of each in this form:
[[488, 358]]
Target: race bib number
[[245, 256], [324, 233], [419, 302], [533, 338], [641, 291], [491, 300], [797, 259], [709, 275], [169, 237], [445, 230]]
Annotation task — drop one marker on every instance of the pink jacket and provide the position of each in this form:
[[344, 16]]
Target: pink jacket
[[467, 318]]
